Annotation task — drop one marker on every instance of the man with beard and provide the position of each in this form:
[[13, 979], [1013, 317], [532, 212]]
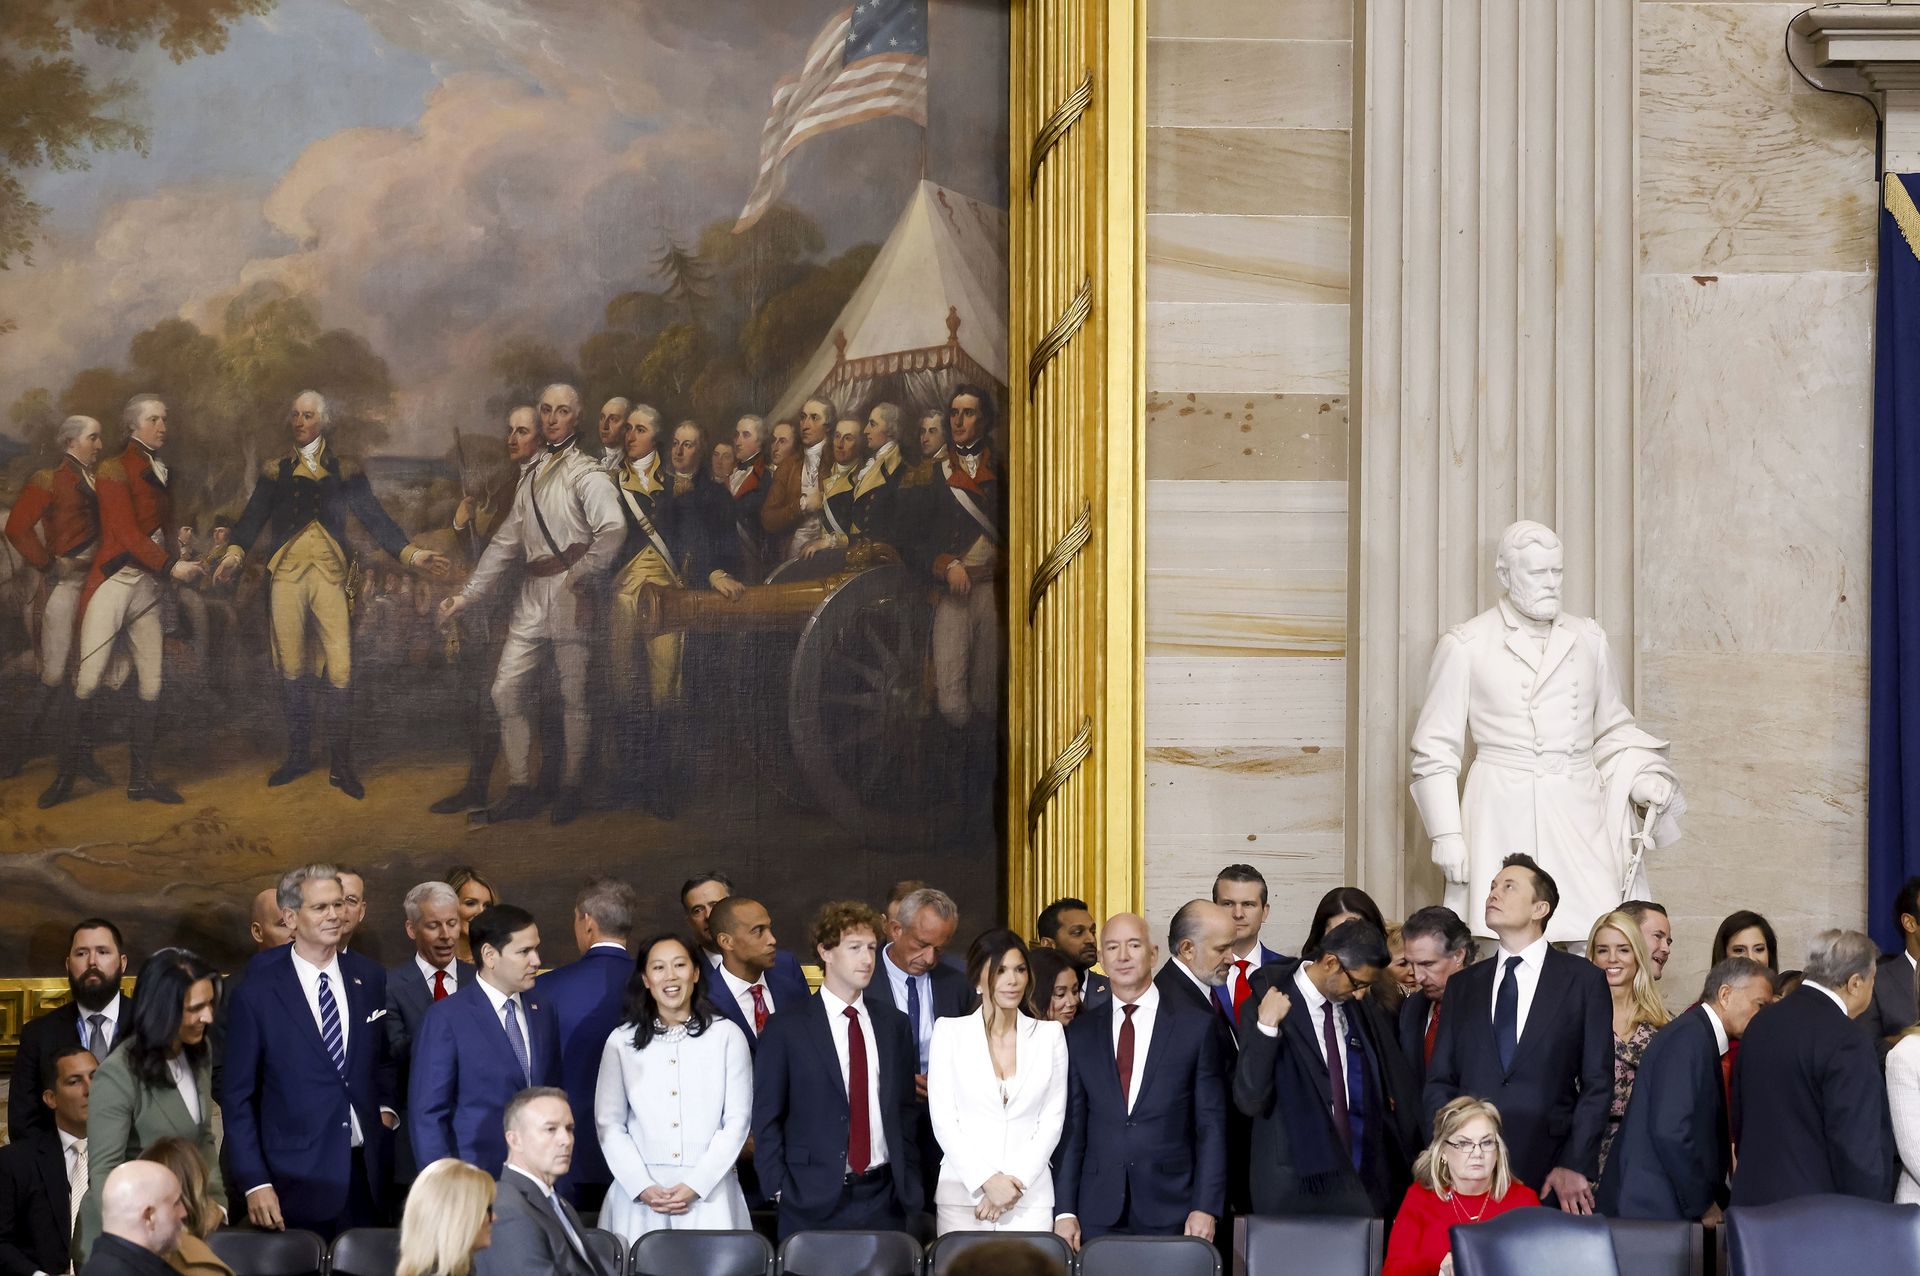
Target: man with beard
[[613, 433], [120, 604], [93, 1016], [565, 531], [479, 633], [307, 496], [794, 506], [55, 526], [1067, 927]]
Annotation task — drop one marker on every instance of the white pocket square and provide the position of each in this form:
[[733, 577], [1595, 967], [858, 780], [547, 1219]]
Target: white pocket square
[[375, 1015]]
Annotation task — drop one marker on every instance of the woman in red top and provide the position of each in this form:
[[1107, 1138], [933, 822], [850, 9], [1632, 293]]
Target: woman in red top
[[1462, 1177]]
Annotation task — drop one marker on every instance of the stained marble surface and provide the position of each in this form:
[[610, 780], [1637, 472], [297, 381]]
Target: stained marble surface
[[1242, 437], [1201, 257], [1236, 346], [1754, 443], [1743, 167], [1264, 171], [1250, 83]]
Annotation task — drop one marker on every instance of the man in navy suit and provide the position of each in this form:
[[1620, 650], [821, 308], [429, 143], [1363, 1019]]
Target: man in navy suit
[[755, 976], [1438, 946], [1670, 1158], [917, 983], [1809, 1100], [434, 973], [36, 1205], [91, 1016], [483, 1045], [1241, 889], [1531, 1031], [308, 1090], [586, 999], [1144, 1150], [833, 1097]]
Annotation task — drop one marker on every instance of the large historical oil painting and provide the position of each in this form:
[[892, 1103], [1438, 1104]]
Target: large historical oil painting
[[303, 301]]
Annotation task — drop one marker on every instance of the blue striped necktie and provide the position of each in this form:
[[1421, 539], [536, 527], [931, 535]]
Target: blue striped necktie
[[330, 1027], [518, 1042]]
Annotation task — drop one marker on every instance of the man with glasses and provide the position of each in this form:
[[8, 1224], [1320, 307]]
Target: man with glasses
[[1332, 1101]]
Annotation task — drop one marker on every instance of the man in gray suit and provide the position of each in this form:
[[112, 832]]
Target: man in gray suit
[[535, 1231], [1892, 1010], [433, 973]]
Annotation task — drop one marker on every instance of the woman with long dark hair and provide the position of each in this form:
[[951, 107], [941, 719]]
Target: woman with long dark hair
[[997, 1093], [1341, 904], [157, 1082], [1746, 934], [674, 1101], [1053, 986]]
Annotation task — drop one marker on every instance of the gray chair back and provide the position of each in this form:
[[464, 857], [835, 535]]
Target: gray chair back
[[1651, 1247], [364, 1251], [1149, 1256], [293, 1253], [701, 1254], [1823, 1234], [611, 1249], [942, 1252], [1532, 1241], [1323, 1246], [850, 1254]]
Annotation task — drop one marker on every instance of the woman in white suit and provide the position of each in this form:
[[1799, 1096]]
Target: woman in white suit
[[997, 1091], [674, 1102], [1903, 1097]]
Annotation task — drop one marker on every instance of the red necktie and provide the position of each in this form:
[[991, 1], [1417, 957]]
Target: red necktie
[[759, 1009], [859, 1140], [439, 985], [1433, 1030], [1123, 1056], [1242, 989]]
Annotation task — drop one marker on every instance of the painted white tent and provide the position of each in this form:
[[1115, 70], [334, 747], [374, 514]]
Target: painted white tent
[[932, 310]]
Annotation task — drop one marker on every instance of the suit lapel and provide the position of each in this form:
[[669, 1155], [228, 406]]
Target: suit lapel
[[1299, 1024], [53, 1173], [480, 1006], [820, 1034], [1159, 1041], [1546, 996], [294, 999]]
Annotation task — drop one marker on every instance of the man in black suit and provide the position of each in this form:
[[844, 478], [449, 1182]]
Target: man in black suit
[[1067, 926], [141, 1216], [1531, 1032], [914, 980], [1670, 1158], [1808, 1097], [1438, 946], [433, 973], [535, 1231], [92, 1017], [1332, 1101], [1200, 948], [43, 1174], [1144, 1149], [833, 1096], [1892, 1011], [754, 977]]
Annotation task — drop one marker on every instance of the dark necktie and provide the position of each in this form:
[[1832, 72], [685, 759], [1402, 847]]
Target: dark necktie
[[1506, 1013], [439, 985], [330, 1027], [913, 1017], [1123, 1056], [1242, 988], [1336, 1076], [759, 1009], [859, 1134]]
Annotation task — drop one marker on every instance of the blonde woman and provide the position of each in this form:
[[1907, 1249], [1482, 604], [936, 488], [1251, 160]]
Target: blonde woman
[[449, 1217], [1462, 1177], [1616, 946], [475, 897], [191, 1255]]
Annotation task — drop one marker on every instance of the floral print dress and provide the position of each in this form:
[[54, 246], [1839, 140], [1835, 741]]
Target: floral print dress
[[1627, 1052]]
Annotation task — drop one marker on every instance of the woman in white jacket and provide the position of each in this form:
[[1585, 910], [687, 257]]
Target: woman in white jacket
[[1903, 1098], [997, 1092], [674, 1102]]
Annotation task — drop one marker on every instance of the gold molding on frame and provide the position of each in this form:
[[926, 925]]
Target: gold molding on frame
[[1076, 256]]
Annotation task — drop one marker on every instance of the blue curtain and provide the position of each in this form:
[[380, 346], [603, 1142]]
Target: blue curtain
[[1893, 766]]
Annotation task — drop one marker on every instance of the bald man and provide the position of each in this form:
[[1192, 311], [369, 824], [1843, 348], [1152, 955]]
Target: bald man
[[1172, 1094], [141, 1215], [269, 926]]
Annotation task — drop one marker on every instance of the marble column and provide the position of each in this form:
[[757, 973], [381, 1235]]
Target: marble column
[[1495, 375]]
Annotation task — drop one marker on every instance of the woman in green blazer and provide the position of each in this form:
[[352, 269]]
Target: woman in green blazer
[[156, 1083]]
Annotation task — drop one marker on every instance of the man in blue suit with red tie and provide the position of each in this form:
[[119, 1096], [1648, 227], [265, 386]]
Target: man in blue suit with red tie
[[586, 999], [308, 1091], [483, 1045]]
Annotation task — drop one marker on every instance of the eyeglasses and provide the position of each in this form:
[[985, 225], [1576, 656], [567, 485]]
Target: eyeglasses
[[1485, 1147], [1358, 985]]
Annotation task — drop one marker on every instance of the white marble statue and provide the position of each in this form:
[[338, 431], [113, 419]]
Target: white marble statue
[[1560, 771]]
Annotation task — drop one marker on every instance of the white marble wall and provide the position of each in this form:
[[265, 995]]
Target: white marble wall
[[1756, 207]]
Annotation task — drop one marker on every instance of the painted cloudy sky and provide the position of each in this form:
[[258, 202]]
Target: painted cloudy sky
[[445, 175]]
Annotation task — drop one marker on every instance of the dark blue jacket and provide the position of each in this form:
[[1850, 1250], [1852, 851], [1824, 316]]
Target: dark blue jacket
[[464, 1075], [1165, 1159], [287, 501], [285, 1105], [1553, 1101], [586, 998], [1669, 1160], [800, 1112], [786, 981]]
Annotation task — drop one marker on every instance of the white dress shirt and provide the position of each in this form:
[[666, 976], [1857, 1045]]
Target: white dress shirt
[[1148, 1006], [742, 993], [1314, 1002], [1527, 978], [1831, 996], [309, 976], [499, 1001], [837, 1020], [428, 970], [897, 980], [181, 1070], [574, 1239], [110, 1013], [1720, 1038]]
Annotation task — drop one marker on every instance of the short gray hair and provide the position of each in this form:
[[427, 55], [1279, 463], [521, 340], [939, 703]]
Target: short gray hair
[[889, 414], [320, 407], [626, 405], [611, 903], [758, 424], [650, 414], [72, 428], [1836, 956], [288, 894], [130, 415], [927, 897], [1520, 535], [428, 893], [832, 412], [531, 1095], [1732, 971], [572, 393]]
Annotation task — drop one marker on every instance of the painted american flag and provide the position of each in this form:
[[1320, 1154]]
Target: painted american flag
[[870, 60]]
